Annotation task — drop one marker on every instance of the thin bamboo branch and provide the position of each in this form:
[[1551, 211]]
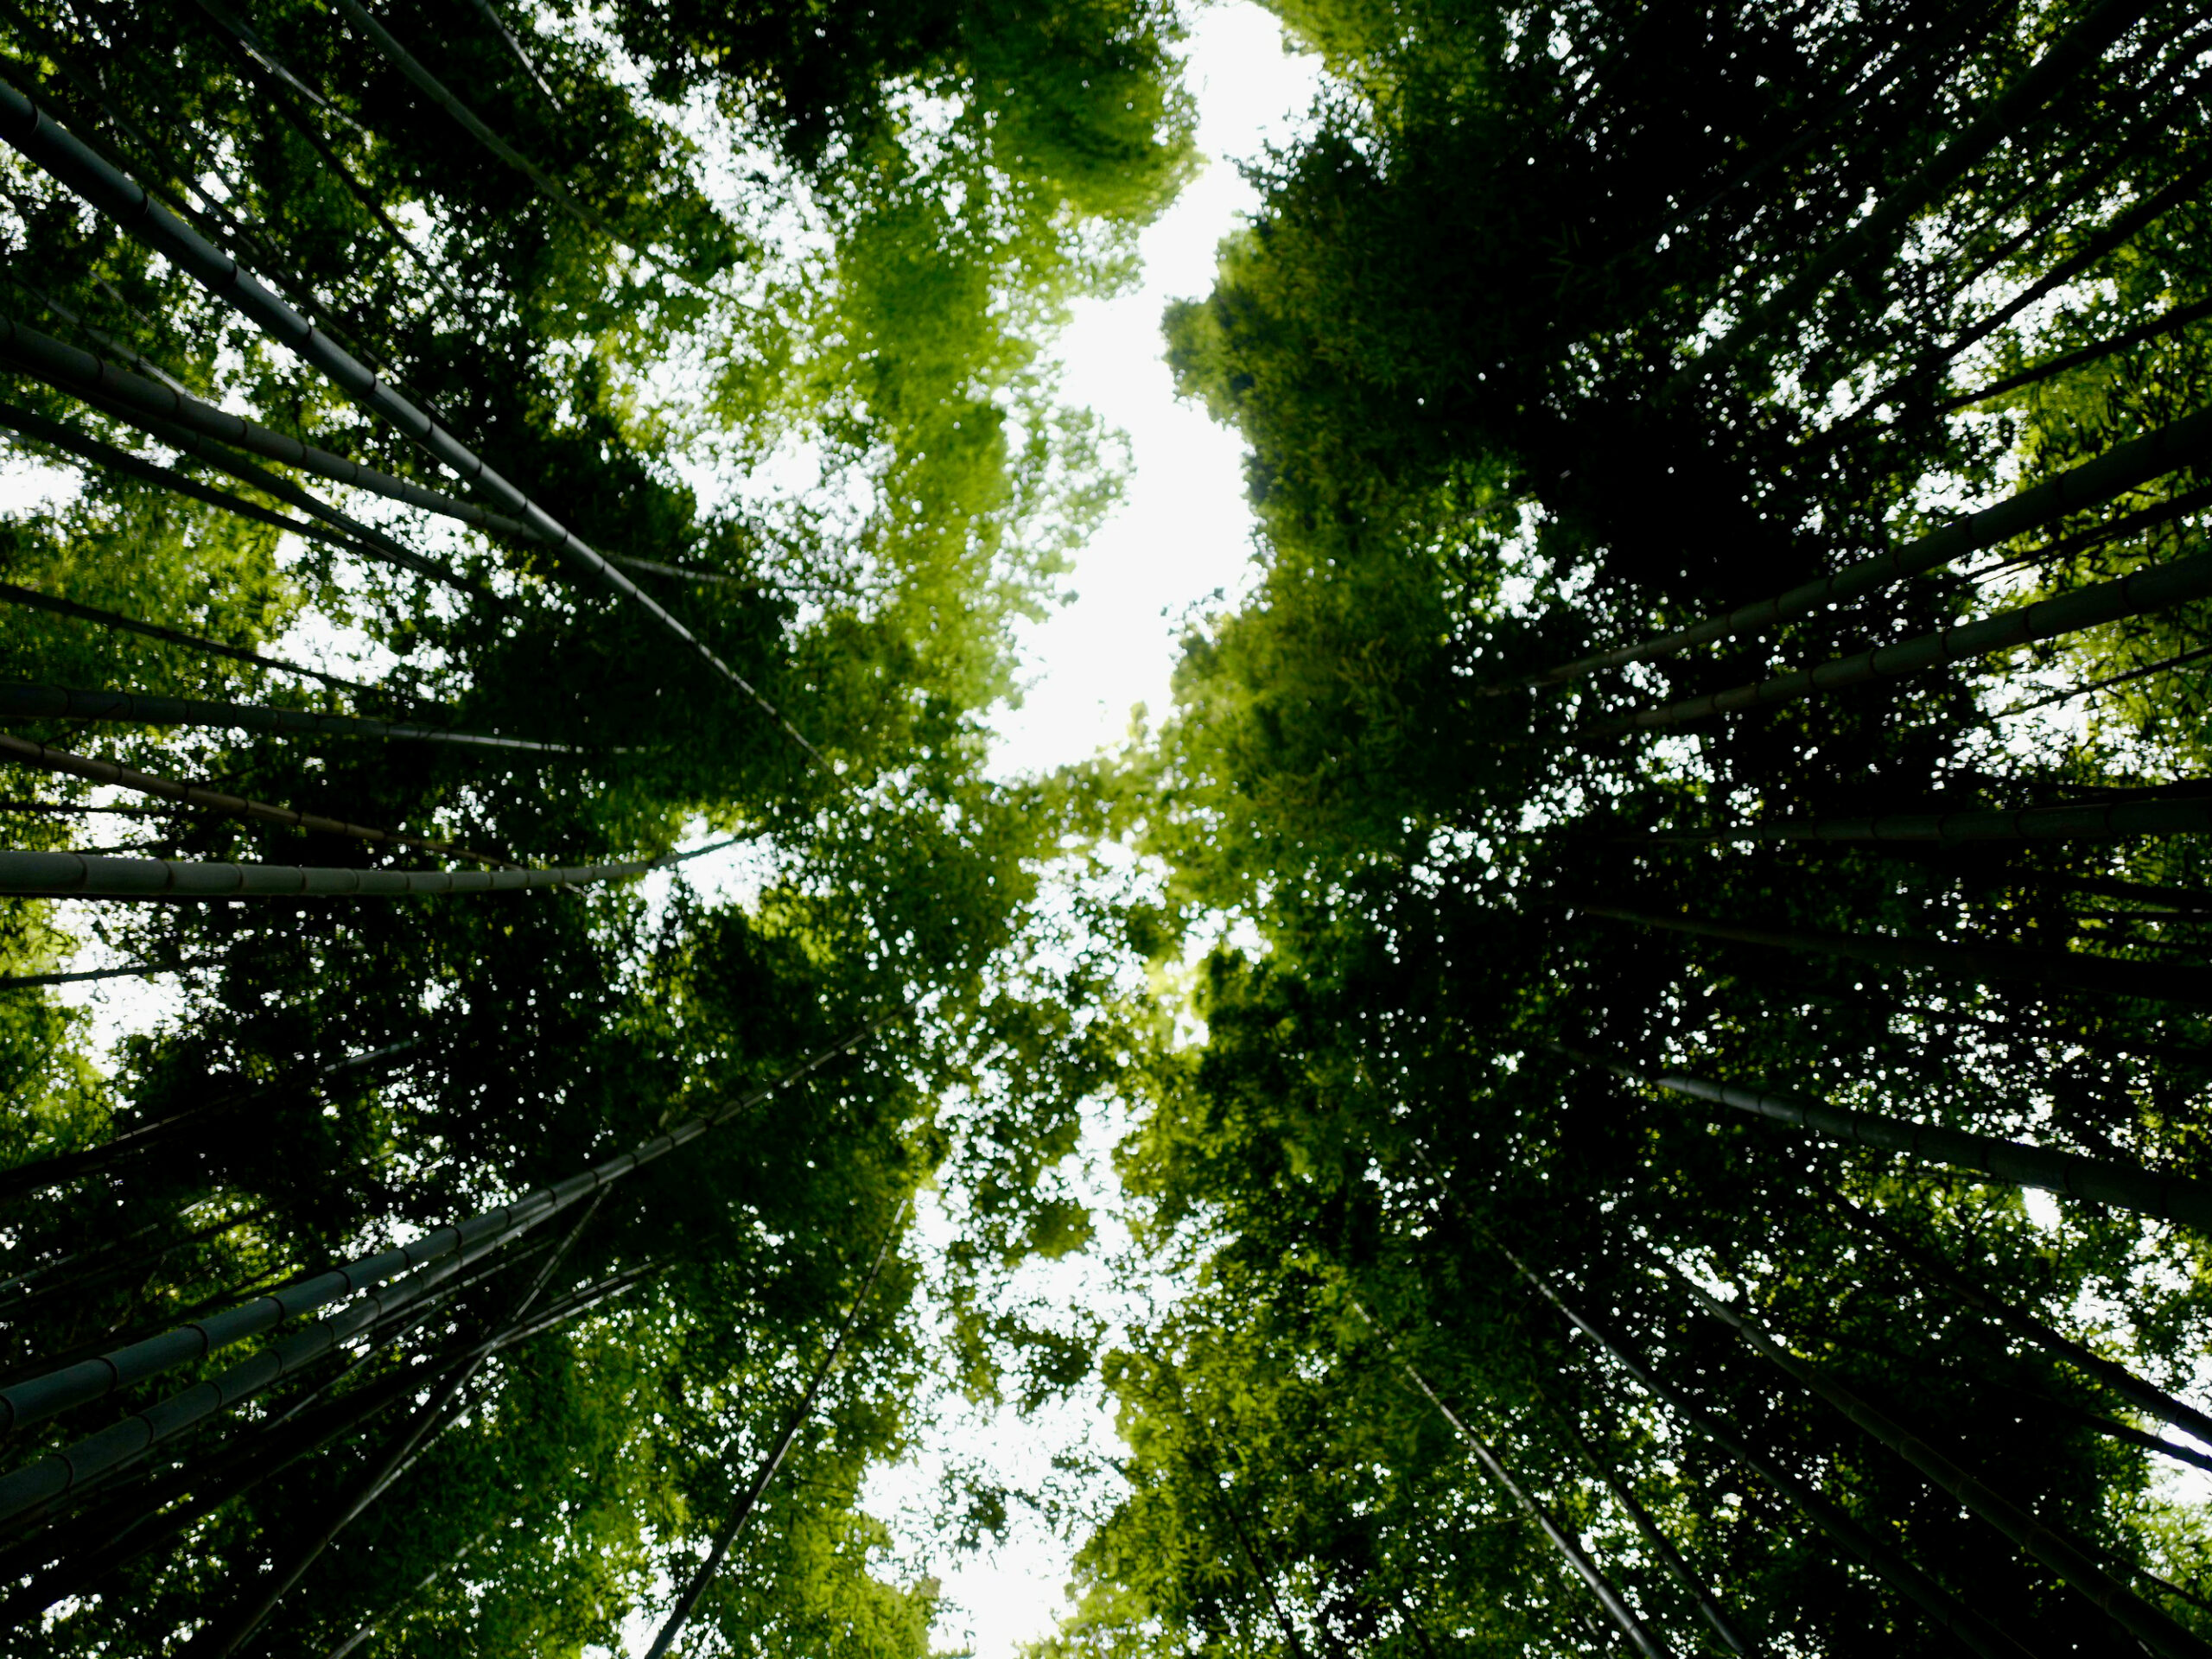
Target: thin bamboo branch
[[1982, 963], [29, 754], [61, 703], [1610, 1599], [2095, 1180], [2152, 589], [538, 79], [2172, 322], [748, 1501]]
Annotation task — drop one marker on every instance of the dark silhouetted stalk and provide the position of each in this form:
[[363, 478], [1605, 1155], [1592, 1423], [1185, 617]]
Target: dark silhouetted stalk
[[748, 1501], [60, 703]]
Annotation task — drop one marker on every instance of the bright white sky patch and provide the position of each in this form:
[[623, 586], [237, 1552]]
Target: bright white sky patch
[[1184, 531]]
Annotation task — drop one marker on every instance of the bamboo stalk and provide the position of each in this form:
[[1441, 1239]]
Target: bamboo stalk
[[81, 875], [106, 771], [1660, 1545], [233, 1631], [362, 538], [1944, 1609], [2118, 470], [67, 369], [41, 1397], [2149, 589], [29, 981], [2055, 1546], [2144, 1395], [1616, 1606], [2172, 322], [484, 9], [347, 536], [31, 599], [2095, 1180], [748, 1501], [60, 703], [2073, 51], [1981, 963], [2111, 820], [52, 147], [438, 94]]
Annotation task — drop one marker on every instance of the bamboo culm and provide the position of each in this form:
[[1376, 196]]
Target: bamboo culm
[[2124, 467], [529, 67], [2145, 1396], [361, 538], [133, 970], [1610, 1599], [749, 1500], [61, 1167], [1969, 1629], [83, 374], [350, 537], [63, 703], [232, 1632], [2054, 1546], [52, 147], [44, 1396], [29, 754], [2075, 50], [2172, 322], [31, 599], [85, 875], [1657, 1541], [2112, 821], [1981, 963], [2150, 589], [2097, 1180]]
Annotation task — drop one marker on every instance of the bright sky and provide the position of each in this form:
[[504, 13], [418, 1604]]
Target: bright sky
[[1183, 532]]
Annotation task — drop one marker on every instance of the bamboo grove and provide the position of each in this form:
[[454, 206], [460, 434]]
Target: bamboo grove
[[1691, 854], [1686, 864], [474, 462]]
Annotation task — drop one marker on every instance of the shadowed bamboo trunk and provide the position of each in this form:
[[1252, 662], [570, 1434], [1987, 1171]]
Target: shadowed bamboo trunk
[[421, 1584], [234, 1632], [64, 703], [46, 1396], [2170, 322], [2095, 1180], [31, 599], [83, 875], [82, 374], [1610, 1599], [2152, 589], [52, 147], [1980, 964], [2124, 467], [29, 754], [2102, 821], [538, 79], [2145, 1396], [335, 531], [2077, 49], [2055, 1546], [749, 1500], [1942, 1609], [1657, 1541]]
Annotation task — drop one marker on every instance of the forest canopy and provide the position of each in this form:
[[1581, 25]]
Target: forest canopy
[[1654, 972]]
